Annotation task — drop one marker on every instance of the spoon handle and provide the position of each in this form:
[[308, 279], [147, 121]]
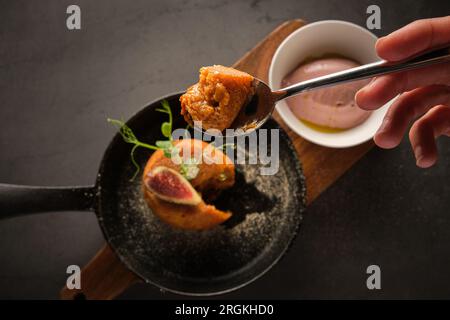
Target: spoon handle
[[366, 71]]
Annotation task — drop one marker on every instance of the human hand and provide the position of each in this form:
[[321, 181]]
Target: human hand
[[425, 93]]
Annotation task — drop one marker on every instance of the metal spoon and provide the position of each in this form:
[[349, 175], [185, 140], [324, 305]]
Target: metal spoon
[[262, 104]]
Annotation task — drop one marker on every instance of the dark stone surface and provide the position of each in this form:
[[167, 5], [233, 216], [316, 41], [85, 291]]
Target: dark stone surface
[[57, 87]]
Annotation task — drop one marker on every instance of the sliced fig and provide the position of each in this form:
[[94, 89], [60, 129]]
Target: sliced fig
[[169, 185]]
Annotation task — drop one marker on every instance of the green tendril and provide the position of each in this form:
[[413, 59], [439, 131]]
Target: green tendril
[[166, 127], [136, 165]]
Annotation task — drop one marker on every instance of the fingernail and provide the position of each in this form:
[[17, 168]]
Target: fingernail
[[366, 87], [418, 153], [372, 81], [384, 125]]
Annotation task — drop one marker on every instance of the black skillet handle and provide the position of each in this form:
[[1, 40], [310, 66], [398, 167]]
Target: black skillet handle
[[18, 200]]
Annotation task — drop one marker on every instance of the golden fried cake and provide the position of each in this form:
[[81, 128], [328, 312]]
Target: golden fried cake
[[218, 97], [181, 208]]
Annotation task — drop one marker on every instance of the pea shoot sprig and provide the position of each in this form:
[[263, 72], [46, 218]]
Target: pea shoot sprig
[[129, 137]]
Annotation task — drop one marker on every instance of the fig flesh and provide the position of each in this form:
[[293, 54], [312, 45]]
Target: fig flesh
[[169, 185]]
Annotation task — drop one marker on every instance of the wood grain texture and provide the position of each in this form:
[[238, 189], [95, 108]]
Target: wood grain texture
[[105, 277]]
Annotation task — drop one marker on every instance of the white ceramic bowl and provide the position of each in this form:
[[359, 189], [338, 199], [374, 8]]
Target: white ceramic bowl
[[313, 40]]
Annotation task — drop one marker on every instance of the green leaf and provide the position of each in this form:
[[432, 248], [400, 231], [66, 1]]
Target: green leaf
[[125, 131], [166, 129], [167, 153], [189, 168]]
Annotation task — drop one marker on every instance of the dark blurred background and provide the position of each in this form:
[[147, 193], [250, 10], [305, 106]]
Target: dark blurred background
[[57, 87]]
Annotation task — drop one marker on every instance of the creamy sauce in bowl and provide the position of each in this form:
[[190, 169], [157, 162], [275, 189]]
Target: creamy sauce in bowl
[[329, 109]]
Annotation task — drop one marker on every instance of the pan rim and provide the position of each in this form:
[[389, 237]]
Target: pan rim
[[301, 196]]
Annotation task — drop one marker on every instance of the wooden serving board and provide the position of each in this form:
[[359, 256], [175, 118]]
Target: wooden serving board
[[105, 277]]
